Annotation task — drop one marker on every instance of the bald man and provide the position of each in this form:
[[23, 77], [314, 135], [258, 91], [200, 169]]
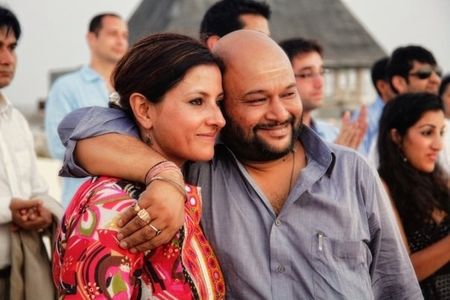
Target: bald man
[[289, 216]]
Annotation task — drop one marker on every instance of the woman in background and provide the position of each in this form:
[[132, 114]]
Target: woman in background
[[410, 139], [171, 85], [444, 93]]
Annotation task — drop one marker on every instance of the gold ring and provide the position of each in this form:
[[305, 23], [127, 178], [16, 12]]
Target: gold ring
[[144, 216], [136, 207], [158, 231]]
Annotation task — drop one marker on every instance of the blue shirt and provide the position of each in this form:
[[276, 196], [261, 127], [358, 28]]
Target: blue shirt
[[334, 238], [326, 131], [78, 89]]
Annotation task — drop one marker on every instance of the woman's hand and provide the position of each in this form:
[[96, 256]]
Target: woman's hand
[[165, 206]]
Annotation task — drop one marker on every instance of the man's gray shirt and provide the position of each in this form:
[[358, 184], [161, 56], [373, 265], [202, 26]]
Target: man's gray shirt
[[335, 237]]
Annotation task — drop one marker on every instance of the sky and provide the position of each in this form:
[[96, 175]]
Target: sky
[[54, 34]]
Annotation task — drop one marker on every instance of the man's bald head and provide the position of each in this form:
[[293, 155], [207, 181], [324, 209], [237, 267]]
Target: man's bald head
[[250, 48]]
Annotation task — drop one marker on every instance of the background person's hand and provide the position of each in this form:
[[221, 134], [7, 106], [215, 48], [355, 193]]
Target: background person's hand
[[29, 214], [351, 133]]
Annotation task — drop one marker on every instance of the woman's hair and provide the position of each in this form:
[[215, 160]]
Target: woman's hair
[[444, 83], [156, 64], [414, 193]]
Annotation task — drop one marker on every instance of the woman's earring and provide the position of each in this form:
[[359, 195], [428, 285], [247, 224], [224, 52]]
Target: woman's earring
[[148, 139], [402, 155]]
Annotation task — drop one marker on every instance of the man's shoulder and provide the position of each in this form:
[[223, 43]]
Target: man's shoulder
[[18, 116], [325, 125], [326, 130], [68, 79]]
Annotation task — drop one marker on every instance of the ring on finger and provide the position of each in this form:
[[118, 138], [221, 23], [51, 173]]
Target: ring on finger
[[144, 216], [136, 208], [158, 231]]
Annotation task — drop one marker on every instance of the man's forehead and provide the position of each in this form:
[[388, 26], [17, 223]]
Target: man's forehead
[[112, 22], [417, 63], [7, 35]]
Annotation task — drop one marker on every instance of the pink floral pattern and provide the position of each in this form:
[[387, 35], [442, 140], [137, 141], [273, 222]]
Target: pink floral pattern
[[89, 264]]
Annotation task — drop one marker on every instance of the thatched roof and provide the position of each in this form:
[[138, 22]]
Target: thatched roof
[[346, 42]]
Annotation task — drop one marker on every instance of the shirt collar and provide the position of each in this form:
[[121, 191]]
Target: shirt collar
[[5, 105], [89, 74], [317, 149]]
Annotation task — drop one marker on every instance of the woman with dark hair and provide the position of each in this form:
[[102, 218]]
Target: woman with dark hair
[[409, 141], [444, 93], [171, 85]]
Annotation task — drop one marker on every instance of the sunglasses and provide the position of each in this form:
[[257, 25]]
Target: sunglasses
[[426, 73]]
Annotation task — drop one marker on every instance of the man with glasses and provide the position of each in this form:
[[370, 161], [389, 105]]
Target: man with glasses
[[413, 69], [306, 57]]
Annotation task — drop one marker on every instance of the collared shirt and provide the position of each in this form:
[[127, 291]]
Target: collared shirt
[[19, 177], [82, 88], [335, 237], [326, 131], [374, 112]]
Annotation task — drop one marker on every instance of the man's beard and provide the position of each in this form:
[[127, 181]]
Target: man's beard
[[254, 148]]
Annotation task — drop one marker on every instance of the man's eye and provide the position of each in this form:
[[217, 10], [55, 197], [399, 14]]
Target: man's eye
[[304, 75], [288, 95], [196, 101], [255, 101]]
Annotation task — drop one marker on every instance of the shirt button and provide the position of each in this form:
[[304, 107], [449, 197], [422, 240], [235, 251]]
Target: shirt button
[[280, 269], [277, 222]]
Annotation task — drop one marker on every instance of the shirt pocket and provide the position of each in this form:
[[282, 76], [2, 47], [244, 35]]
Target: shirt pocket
[[341, 268]]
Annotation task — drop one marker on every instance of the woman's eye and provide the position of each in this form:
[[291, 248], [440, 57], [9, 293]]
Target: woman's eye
[[196, 101], [427, 133]]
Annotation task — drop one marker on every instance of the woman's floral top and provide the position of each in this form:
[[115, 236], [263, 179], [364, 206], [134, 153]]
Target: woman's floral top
[[89, 264]]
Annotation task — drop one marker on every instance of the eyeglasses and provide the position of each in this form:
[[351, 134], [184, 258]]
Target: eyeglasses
[[426, 73], [308, 75]]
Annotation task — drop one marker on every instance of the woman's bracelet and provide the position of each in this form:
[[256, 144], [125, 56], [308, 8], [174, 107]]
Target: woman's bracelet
[[160, 167], [168, 180]]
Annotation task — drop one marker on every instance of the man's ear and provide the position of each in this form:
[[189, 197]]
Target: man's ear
[[211, 41], [400, 84], [142, 109], [396, 137]]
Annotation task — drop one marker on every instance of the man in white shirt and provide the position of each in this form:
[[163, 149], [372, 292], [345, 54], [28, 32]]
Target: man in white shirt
[[24, 200]]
